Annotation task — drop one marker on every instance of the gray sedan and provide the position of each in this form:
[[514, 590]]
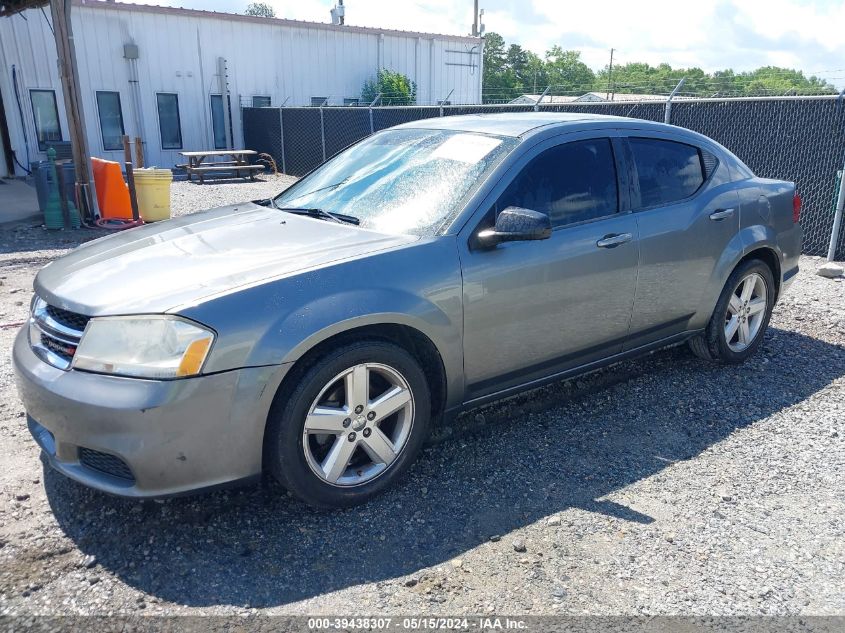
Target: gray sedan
[[429, 268]]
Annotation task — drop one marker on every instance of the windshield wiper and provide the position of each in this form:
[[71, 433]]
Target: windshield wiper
[[322, 214], [326, 188]]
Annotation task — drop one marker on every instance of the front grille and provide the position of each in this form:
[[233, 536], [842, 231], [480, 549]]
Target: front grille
[[55, 333], [70, 320], [60, 349], [105, 463]]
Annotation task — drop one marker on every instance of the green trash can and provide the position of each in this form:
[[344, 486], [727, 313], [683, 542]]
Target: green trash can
[[54, 217], [44, 181]]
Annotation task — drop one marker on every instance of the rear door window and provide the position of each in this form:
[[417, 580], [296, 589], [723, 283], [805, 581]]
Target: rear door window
[[667, 171], [573, 182]]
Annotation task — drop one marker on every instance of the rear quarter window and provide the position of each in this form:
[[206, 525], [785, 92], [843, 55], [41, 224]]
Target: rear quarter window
[[667, 171]]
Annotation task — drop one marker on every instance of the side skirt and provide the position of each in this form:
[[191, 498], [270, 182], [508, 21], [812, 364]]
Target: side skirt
[[571, 373]]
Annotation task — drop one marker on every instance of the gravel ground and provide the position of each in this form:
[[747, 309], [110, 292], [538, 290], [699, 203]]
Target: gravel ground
[[665, 485]]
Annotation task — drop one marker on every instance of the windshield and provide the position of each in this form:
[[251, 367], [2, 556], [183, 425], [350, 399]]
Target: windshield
[[401, 181]]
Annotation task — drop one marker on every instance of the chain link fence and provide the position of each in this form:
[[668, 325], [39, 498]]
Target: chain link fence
[[801, 139]]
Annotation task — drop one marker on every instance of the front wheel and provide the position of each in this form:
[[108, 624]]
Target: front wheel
[[741, 317], [352, 425]]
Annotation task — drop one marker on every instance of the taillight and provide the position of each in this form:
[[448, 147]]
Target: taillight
[[796, 208]]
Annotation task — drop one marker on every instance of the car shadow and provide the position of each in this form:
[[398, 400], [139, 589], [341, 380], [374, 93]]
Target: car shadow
[[29, 237], [490, 472]]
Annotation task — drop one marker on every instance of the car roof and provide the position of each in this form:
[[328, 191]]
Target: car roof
[[519, 123]]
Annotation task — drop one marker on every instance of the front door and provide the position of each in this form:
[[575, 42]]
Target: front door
[[532, 309]]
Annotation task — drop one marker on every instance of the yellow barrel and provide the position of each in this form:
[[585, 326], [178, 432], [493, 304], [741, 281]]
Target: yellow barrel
[[152, 187]]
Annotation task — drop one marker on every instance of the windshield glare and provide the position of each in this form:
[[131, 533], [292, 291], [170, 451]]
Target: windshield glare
[[401, 181]]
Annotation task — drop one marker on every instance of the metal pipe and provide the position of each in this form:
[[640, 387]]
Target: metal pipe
[[133, 196], [282, 137], [224, 94], [537, 104], [837, 218], [667, 115], [323, 133]]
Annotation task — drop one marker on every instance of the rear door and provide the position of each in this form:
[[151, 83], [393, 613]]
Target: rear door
[[687, 212], [533, 309]]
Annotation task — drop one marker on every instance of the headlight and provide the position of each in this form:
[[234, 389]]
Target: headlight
[[143, 346]]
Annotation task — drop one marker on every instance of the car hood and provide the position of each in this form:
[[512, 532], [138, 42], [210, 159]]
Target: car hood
[[163, 266]]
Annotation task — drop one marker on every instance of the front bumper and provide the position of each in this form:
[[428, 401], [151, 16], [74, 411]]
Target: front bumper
[[173, 436]]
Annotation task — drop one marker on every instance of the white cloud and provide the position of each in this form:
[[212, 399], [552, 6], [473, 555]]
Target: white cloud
[[738, 34]]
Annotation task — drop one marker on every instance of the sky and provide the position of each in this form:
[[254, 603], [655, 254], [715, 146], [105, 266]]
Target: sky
[[739, 34]]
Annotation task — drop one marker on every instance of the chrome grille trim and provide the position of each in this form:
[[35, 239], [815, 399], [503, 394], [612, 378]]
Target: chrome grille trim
[[67, 319], [45, 332]]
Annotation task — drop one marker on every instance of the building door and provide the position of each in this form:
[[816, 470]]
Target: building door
[[7, 160]]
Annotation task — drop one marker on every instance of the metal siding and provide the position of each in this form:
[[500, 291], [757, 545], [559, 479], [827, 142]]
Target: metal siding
[[282, 60]]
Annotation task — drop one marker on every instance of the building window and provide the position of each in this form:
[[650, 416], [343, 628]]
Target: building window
[[351, 101], [319, 101], [46, 113], [168, 120], [260, 102], [111, 120]]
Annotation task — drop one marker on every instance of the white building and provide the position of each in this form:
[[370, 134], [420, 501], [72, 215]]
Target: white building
[[155, 72]]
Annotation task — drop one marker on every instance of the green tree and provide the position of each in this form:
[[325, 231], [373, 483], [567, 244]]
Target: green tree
[[566, 73], [510, 71], [395, 88], [529, 73], [497, 82], [640, 78], [260, 9], [774, 80]]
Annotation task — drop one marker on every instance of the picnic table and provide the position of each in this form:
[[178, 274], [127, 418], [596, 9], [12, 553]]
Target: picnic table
[[234, 161]]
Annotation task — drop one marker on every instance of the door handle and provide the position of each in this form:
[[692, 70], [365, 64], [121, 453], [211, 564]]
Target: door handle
[[612, 241], [721, 214]]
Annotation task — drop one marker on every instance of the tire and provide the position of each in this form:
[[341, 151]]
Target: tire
[[314, 427], [750, 327]]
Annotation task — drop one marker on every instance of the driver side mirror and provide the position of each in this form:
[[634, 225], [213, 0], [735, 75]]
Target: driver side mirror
[[516, 224]]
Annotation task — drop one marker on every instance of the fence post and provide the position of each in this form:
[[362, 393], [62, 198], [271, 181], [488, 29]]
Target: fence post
[[537, 104], [443, 101], [372, 103], [282, 138], [667, 115], [837, 218], [323, 133]]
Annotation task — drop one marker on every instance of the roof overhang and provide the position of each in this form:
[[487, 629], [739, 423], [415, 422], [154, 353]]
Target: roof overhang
[[219, 15]]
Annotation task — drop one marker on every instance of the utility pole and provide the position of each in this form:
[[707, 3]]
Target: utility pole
[[63, 31], [341, 12], [609, 75], [475, 18]]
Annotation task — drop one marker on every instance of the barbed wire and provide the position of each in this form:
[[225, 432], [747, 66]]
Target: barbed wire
[[657, 89]]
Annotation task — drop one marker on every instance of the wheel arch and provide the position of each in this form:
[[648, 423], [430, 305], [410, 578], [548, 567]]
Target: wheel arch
[[411, 339], [768, 256]]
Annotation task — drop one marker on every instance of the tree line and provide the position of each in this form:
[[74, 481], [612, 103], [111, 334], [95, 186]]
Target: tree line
[[511, 71]]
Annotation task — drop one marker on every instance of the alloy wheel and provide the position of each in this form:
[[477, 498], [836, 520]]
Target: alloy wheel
[[358, 424], [746, 312]]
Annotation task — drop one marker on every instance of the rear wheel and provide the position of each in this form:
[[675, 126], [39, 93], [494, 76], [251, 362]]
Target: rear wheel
[[741, 317], [352, 426]]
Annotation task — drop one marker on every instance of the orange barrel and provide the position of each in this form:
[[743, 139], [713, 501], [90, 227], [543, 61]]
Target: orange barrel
[[112, 192]]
